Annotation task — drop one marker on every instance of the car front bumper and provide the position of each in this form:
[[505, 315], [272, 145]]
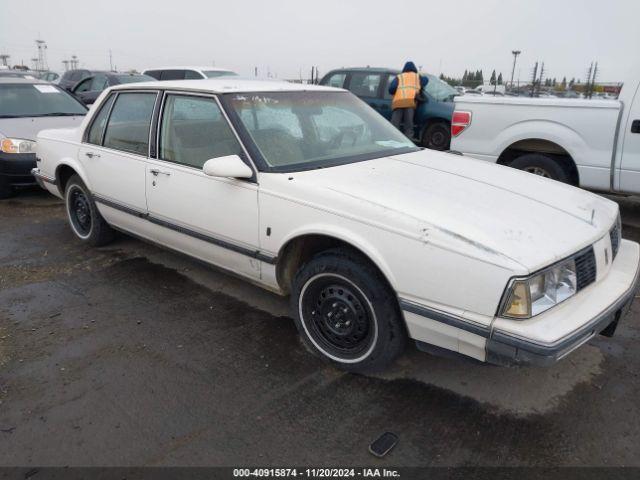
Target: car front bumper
[[15, 169], [506, 348]]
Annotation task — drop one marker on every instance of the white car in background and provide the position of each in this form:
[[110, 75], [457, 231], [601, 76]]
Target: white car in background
[[187, 73], [307, 191]]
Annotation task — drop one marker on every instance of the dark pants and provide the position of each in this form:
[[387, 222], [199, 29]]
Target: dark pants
[[404, 116]]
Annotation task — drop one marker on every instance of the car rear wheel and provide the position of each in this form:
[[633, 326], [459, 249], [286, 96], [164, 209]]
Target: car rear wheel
[[437, 136], [542, 165], [85, 219], [346, 313]]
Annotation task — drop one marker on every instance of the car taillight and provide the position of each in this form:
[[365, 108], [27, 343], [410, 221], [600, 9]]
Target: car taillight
[[459, 121]]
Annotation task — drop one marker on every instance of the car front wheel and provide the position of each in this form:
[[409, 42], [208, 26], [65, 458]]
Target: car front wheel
[[346, 313], [85, 219]]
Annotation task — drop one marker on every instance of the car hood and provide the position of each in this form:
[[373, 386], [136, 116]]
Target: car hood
[[27, 128], [495, 213]]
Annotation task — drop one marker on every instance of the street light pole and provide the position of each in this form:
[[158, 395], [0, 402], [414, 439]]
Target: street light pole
[[513, 70]]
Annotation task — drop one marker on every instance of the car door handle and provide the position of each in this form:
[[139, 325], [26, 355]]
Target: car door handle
[[92, 155], [159, 172], [635, 126]]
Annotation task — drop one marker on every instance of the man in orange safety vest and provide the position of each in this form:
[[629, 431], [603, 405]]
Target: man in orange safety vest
[[405, 89]]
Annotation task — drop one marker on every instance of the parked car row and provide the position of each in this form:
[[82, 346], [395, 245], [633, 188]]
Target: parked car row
[[308, 192]]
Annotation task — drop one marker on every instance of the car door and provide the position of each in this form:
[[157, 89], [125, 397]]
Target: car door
[[368, 87], [630, 172], [115, 149], [212, 218]]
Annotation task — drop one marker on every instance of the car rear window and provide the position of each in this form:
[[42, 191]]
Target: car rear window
[[33, 100]]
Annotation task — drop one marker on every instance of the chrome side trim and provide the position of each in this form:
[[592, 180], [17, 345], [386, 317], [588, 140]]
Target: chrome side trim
[[446, 318], [41, 176], [257, 254]]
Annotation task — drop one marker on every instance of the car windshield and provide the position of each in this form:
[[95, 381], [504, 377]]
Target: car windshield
[[218, 73], [135, 78], [439, 90], [304, 130], [30, 100]]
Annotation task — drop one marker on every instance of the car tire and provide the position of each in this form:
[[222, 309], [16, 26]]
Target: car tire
[[84, 218], [437, 136], [542, 165], [346, 313]]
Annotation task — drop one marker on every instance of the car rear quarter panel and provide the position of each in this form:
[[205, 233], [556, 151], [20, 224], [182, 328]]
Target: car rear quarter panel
[[585, 131]]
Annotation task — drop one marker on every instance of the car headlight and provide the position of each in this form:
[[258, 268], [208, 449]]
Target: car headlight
[[17, 145], [530, 296]]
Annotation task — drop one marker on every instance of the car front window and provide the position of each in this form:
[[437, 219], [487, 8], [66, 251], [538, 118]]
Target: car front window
[[304, 130], [439, 90], [30, 100]]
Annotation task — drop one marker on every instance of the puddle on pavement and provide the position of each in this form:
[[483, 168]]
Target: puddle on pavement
[[519, 391]]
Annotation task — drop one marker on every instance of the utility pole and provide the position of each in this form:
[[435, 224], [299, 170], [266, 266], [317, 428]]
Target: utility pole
[[534, 79], [515, 54], [255, 71], [4, 58], [34, 61], [66, 65], [110, 60], [541, 76], [587, 87], [74, 62]]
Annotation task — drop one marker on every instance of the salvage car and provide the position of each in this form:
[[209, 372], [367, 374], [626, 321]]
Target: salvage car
[[307, 191], [26, 107]]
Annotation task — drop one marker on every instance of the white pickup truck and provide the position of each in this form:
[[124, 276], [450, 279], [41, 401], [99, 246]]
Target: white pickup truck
[[594, 144]]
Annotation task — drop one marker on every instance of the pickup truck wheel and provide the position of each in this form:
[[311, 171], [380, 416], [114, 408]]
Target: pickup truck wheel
[[84, 218], [437, 136], [346, 313], [542, 165]]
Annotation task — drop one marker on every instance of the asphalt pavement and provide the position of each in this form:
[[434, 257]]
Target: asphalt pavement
[[133, 355]]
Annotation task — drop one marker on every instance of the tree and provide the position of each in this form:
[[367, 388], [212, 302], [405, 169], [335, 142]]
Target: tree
[[492, 81], [500, 79], [564, 83]]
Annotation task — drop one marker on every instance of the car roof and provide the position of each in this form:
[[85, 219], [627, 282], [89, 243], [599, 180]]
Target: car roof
[[228, 85], [365, 69], [190, 67]]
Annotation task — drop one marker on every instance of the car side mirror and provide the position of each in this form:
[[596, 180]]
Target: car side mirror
[[230, 166]]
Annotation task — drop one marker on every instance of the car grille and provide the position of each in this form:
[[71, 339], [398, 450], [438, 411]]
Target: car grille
[[585, 268], [616, 235]]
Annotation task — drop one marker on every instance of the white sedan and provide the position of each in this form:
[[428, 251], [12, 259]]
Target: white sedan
[[307, 191]]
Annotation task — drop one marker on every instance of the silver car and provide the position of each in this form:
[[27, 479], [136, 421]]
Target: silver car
[[26, 107]]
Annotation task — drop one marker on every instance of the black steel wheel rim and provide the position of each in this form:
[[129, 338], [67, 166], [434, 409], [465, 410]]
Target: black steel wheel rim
[[80, 211], [337, 316]]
